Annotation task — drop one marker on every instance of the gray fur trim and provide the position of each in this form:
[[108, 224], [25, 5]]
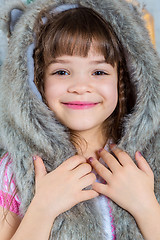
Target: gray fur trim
[[27, 127], [5, 10]]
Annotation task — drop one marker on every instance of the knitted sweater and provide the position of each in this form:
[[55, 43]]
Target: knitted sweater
[[8, 197], [28, 127]]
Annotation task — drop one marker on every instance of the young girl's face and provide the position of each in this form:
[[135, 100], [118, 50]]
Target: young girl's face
[[81, 91]]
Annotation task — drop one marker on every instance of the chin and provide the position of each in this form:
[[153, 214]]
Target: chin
[[78, 128], [81, 124], [81, 127]]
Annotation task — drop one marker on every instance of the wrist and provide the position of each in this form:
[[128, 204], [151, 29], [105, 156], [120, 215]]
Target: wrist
[[43, 209], [147, 219], [146, 209], [36, 223]]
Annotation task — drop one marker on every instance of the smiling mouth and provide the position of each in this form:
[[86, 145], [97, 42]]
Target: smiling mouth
[[80, 105]]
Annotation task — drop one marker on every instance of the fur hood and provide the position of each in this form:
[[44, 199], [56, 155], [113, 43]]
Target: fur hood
[[28, 127]]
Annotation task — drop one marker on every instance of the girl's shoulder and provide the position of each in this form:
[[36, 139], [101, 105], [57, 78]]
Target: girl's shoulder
[[8, 192]]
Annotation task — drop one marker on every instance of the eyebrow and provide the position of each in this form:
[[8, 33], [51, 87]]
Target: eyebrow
[[98, 61], [67, 61], [58, 61]]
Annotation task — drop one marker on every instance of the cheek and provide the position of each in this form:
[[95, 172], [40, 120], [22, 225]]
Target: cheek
[[53, 91], [110, 92]]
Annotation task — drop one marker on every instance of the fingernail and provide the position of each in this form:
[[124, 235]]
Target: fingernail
[[90, 159], [139, 154], [34, 158], [100, 150]]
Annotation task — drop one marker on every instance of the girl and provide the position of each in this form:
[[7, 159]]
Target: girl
[[97, 85]]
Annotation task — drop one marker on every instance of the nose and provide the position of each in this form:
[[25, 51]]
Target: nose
[[80, 86]]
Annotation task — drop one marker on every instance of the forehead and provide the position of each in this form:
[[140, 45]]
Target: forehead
[[93, 57], [81, 64]]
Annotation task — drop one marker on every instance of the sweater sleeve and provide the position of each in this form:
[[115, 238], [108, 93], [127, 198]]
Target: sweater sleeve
[[8, 197]]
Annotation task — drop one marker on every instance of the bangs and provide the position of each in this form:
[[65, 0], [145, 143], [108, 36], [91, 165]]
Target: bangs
[[73, 32]]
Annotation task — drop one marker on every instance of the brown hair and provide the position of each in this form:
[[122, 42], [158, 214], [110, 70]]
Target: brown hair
[[72, 32]]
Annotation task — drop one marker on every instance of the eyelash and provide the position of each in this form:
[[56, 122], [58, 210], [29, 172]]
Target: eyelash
[[101, 73], [59, 73], [63, 72]]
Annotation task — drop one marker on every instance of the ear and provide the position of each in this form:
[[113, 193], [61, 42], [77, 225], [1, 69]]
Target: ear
[[15, 15], [10, 12]]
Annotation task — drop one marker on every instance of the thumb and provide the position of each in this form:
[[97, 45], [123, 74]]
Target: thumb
[[39, 168], [142, 164]]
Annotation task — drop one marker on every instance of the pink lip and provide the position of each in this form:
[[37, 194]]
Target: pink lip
[[80, 104]]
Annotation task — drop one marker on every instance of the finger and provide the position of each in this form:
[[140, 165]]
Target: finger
[[122, 156], [82, 170], [88, 194], [100, 169], [87, 180], [101, 188], [110, 160], [39, 167], [73, 162], [142, 164]]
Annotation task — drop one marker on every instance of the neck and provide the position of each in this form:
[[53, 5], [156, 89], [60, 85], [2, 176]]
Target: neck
[[92, 141]]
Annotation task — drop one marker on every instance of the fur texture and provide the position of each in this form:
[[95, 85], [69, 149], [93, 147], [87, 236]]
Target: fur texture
[[27, 127], [4, 26]]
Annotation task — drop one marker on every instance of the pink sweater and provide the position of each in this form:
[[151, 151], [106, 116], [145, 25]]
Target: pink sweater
[[8, 199]]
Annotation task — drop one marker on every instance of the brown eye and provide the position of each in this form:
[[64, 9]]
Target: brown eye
[[61, 72], [99, 73]]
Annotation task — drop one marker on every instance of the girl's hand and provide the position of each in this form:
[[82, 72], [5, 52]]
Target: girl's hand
[[61, 189], [130, 186]]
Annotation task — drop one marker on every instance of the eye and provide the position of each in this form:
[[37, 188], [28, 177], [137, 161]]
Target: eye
[[99, 73], [60, 72]]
